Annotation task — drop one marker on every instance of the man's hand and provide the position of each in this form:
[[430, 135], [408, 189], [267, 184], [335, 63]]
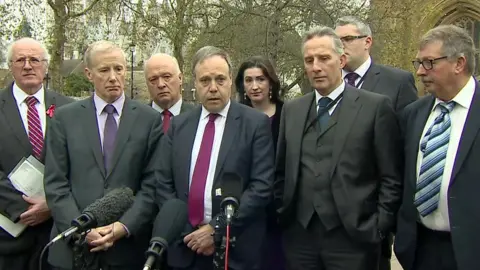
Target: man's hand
[[37, 212], [201, 240], [109, 234]]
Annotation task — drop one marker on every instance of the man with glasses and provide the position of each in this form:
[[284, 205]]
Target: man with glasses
[[361, 72], [25, 110], [438, 221]]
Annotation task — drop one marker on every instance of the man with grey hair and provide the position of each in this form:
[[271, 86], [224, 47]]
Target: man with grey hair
[[104, 142], [361, 72], [25, 112], [338, 182], [164, 82], [208, 149], [439, 216]]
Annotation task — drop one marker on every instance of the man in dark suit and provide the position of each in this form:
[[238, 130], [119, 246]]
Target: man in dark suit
[[87, 157], [337, 183], [361, 72], [219, 137], [164, 82], [25, 111], [438, 219]]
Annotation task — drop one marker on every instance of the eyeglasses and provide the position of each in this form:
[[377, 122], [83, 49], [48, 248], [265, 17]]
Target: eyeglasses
[[351, 38], [427, 64], [34, 62]]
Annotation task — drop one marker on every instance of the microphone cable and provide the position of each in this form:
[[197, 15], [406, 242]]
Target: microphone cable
[[40, 260], [227, 246]]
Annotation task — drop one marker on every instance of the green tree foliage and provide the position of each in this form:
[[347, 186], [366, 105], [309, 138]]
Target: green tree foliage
[[76, 85]]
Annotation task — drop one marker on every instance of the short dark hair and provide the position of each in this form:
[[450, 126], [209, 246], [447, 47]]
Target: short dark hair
[[268, 70]]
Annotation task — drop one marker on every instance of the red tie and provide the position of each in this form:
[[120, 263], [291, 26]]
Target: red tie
[[35, 134], [200, 173], [166, 120]]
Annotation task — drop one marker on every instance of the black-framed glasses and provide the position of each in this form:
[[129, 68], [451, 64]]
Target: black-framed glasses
[[427, 64], [351, 38], [34, 62]]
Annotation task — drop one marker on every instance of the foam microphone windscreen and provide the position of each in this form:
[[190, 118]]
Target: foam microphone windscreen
[[231, 185], [112, 206], [171, 220]]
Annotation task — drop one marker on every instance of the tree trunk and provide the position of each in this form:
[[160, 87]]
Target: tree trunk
[[57, 52]]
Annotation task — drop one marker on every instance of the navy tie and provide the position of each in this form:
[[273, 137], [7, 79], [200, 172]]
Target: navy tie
[[109, 135], [325, 116]]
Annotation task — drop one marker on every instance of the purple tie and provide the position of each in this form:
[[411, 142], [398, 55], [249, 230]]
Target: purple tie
[[109, 134], [351, 78], [199, 177]]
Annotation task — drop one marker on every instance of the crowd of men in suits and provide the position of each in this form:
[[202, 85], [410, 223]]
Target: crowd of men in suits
[[357, 160]]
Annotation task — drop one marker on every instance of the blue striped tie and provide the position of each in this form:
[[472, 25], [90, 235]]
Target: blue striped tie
[[434, 147]]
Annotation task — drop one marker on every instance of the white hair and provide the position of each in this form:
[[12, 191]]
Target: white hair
[[46, 56]]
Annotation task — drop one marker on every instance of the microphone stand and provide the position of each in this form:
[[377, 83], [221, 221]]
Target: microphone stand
[[221, 241]]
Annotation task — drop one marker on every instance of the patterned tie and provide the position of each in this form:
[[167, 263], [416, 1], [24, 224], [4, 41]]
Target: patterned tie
[[109, 135], [434, 147], [351, 78], [199, 177], [35, 134], [322, 105], [166, 120]]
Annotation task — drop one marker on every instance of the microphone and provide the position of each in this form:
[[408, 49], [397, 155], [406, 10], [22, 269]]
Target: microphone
[[103, 211], [232, 189], [169, 224]]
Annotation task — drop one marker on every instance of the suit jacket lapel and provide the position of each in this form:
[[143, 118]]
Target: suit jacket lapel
[[469, 133], [128, 118], [49, 101], [349, 108], [13, 118], [229, 136], [371, 78], [90, 124], [187, 139]]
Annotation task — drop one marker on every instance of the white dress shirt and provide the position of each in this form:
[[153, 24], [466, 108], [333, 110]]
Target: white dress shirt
[[102, 116], [217, 141], [361, 71], [22, 105], [439, 220], [174, 110], [333, 95]]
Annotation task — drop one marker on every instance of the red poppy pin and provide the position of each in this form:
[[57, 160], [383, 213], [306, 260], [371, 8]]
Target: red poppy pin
[[51, 110]]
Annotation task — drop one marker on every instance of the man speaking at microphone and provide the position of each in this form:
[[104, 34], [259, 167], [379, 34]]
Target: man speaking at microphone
[[201, 145], [102, 143]]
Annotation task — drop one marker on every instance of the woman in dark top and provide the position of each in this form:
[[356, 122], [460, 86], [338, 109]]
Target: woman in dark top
[[259, 87]]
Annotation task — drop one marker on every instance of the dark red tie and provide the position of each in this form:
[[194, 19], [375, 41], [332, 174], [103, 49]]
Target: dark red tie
[[35, 134], [199, 177], [166, 120]]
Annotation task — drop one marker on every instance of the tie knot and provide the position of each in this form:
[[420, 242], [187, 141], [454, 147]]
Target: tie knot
[[31, 101], [446, 107], [324, 101], [212, 117], [351, 78], [109, 109], [166, 113]]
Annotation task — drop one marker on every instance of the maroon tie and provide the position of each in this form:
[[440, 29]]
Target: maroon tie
[[199, 177], [351, 78], [166, 120], [35, 134]]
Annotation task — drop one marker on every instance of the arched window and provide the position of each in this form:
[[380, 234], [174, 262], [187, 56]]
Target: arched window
[[473, 28]]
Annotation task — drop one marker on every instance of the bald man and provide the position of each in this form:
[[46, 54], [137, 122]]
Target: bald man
[[25, 112], [164, 82]]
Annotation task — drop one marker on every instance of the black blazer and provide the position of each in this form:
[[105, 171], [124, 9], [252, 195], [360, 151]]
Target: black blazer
[[463, 209], [246, 149], [14, 145], [75, 175], [365, 173]]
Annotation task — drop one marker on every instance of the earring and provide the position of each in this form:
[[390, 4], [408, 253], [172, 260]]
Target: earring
[[270, 93], [245, 95]]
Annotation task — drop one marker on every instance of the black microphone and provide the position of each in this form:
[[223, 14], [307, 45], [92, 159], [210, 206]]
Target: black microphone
[[232, 189], [169, 224], [103, 211]]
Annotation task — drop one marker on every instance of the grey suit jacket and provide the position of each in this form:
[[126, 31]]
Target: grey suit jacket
[[397, 84], [14, 145], [75, 176], [246, 149], [365, 172]]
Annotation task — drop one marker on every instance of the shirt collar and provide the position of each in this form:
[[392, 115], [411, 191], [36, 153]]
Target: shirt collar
[[464, 97], [333, 95], [100, 103], [362, 69], [223, 112], [20, 95]]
